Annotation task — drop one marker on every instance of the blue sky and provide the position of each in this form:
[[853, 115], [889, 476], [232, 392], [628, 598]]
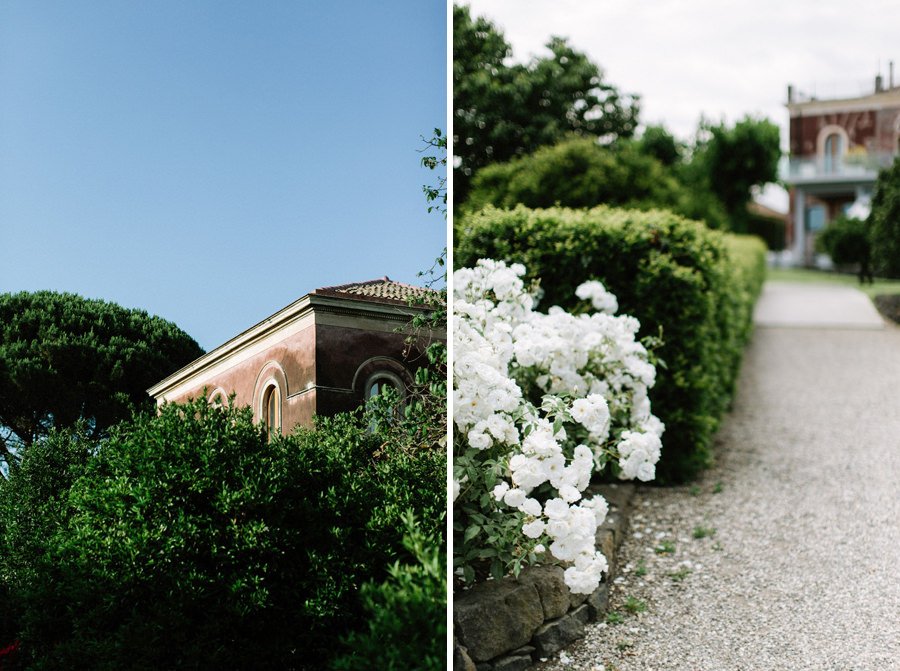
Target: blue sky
[[210, 161]]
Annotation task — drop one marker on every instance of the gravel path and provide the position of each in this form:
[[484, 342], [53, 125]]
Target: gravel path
[[786, 555]]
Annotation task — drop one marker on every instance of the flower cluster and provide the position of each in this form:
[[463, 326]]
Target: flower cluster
[[542, 402]]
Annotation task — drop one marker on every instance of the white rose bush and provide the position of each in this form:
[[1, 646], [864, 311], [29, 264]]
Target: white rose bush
[[542, 402]]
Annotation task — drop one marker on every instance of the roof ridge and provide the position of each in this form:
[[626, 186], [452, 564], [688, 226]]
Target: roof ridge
[[383, 288], [337, 287]]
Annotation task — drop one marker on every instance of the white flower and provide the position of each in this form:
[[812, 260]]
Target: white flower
[[599, 506], [592, 377], [558, 528], [569, 494], [638, 454], [479, 440], [533, 529], [592, 412], [556, 509], [600, 298], [530, 507], [514, 498]]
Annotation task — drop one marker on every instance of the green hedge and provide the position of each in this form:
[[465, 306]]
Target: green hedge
[[186, 540], [698, 286]]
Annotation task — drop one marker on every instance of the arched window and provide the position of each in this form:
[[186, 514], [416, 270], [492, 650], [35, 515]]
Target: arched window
[[832, 144], [271, 410], [378, 382], [218, 399], [834, 150]]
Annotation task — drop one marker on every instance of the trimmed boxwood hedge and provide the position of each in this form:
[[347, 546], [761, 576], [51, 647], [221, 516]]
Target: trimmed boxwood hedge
[[696, 285]]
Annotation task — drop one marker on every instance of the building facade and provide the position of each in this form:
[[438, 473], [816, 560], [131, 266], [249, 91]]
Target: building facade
[[323, 354], [837, 147]]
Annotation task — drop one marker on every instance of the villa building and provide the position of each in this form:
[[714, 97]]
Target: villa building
[[837, 147], [323, 354]]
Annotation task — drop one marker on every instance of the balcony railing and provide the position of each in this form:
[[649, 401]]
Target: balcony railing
[[851, 166]]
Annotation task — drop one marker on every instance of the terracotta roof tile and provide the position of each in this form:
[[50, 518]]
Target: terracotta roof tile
[[383, 288]]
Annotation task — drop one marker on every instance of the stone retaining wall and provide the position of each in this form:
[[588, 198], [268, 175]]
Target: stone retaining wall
[[506, 625]]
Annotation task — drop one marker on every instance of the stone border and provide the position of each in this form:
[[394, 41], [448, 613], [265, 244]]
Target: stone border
[[509, 624]]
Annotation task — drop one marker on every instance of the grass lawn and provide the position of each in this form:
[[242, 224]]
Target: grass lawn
[[881, 286]]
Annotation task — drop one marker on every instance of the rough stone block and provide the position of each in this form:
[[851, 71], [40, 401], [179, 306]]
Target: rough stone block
[[554, 636], [497, 616], [615, 523], [606, 543], [598, 602], [461, 659], [582, 614], [551, 587], [576, 600], [618, 495], [513, 663]]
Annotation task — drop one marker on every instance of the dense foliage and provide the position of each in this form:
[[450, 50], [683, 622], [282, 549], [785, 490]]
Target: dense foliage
[[580, 173], [64, 358], [192, 542], [734, 159], [659, 143], [846, 241], [695, 286], [884, 222], [407, 615], [33, 508], [503, 110]]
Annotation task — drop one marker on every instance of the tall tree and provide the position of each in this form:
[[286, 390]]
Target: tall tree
[[65, 358], [659, 143], [502, 111], [733, 160]]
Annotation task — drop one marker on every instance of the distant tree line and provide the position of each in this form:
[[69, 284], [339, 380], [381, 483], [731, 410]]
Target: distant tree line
[[555, 132]]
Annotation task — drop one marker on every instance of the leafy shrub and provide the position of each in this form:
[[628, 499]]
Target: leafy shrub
[[659, 143], [846, 241], [192, 542], [408, 612], [581, 173], [574, 173], [33, 508], [676, 276], [884, 222]]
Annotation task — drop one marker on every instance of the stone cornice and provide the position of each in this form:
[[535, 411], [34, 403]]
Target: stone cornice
[[875, 102], [291, 319]]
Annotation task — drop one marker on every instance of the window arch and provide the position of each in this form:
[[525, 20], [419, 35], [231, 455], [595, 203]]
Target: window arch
[[270, 409], [381, 380], [271, 392], [833, 153], [218, 398], [831, 146], [376, 372]]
